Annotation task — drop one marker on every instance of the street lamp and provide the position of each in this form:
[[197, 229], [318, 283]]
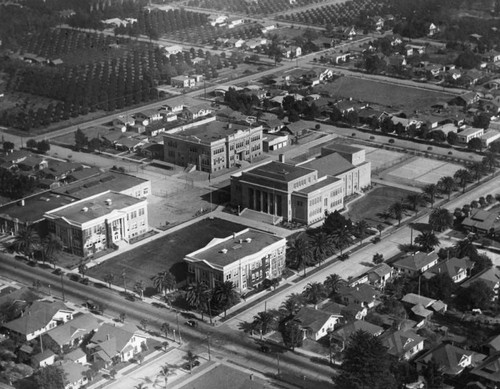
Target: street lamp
[[208, 344], [50, 291], [62, 288], [178, 328]]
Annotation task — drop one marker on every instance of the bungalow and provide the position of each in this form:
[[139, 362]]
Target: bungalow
[[39, 318], [77, 356], [397, 60], [343, 334], [121, 122], [130, 144], [216, 20], [482, 222], [433, 29], [405, 123], [491, 56], [362, 294], [111, 344], [44, 358], [74, 374], [173, 107], [171, 50], [197, 111], [454, 74], [72, 333], [339, 58], [267, 26], [452, 360], [182, 82], [291, 51], [488, 372], [235, 42], [416, 263], [465, 99], [298, 128], [147, 116], [491, 277], [234, 21], [458, 269], [403, 345], [349, 33], [59, 170], [316, 323], [380, 274], [255, 42]]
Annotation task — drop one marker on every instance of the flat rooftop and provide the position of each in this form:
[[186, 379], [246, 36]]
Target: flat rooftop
[[210, 132], [320, 184], [279, 171], [343, 148], [98, 206], [331, 164], [34, 206], [115, 182], [235, 250]]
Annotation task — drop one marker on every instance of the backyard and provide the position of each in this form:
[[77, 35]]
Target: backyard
[[166, 253], [375, 203]]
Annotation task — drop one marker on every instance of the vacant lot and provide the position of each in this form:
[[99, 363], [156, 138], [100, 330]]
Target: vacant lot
[[166, 253], [389, 95], [372, 206]]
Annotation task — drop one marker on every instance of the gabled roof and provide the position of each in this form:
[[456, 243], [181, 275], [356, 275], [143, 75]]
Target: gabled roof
[[43, 356], [490, 276], [73, 329], [74, 371], [414, 299], [447, 357], [363, 293], [399, 342], [112, 340], [452, 266], [358, 325], [312, 318], [419, 310], [75, 355], [494, 343], [416, 261], [36, 317], [489, 369], [380, 270]]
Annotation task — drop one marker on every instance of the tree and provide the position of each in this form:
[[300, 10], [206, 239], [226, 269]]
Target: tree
[[475, 144], [8, 146], [342, 238], [164, 373], [31, 144], [164, 281], [440, 287], [415, 200], [490, 161], [95, 144], [462, 176], [264, 321], [165, 328], [433, 375], [430, 191], [81, 140], [51, 246], [380, 228], [192, 358], [225, 296], [446, 185], [482, 120], [366, 364], [335, 221], [108, 278], [26, 241], [122, 317], [43, 146], [195, 296], [322, 246], [477, 170], [397, 211], [332, 284], [465, 248], [299, 254], [50, 377], [440, 219], [477, 295], [82, 268], [378, 258], [427, 241], [452, 138], [291, 332], [144, 324], [360, 228], [139, 288], [292, 304], [314, 292]]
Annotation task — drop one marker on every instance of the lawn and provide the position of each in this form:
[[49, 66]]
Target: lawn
[[374, 203], [381, 93], [166, 253]]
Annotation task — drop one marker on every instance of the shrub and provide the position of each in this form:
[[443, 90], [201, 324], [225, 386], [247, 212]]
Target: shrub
[[391, 141], [429, 148], [450, 152], [372, 137]]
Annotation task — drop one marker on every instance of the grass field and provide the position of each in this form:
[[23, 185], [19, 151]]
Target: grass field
[[376, 202], [390, 95], [166, 253]]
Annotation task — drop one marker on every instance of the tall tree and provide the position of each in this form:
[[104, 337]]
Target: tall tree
[[164, 281], [81, 140], [225, 296], [366, 364], [52, 245], [476, 295], [50, 377], [108, 278], [477, 170], [430, 191], [164, 373], [446, 185], [291, 332], [342, 238], [427, 240], [314, 292], [332, 284], [490, 161], [397, 211], [440, 219], [462, 176], [195, 296], [191, 358], [292, 304], [299, 254], [322, 246], [26, 242], [264, 321], [415, 200]]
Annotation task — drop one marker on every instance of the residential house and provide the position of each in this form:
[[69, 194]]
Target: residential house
[[153, 151], [130, 144], [403, 345], [121, 122], [378, 22], [291, 51], [433, 29], [77, 356], [255, 42], [483, 222], [217, 20], [339, 58], [173, 107], [316, 323], [38, 318], [74, 374], [349, 33], [171, 50], [59, 170], [72, 333], [488, 372], [454, 74], [473, 76], [234, 21], [44, 358], [416, 263], [380, 274], [465, 99], [235, 42], [267, 26], [111, 344], [147, 116], [182, 82], [343, 334], [491, 56], [362, 294], [197, 111], [491, 277], [452, 360], [458, 269], [493, 345], [405, 123], [422, 307]]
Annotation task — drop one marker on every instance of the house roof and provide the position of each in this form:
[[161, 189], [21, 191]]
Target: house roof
[[36, 317], [452, 266], [299, 126], [399, 342], [43, 356], [415, 299], [278, 171], [312, 318], [489, 369], [419, 310], [75, 355], [380, 270], [111, 339], [447, 357], [332, 164], [358, 325], [416, 261], [363, 292], [73, 329], [74, 371], [490, 276], [494, 343], [482, 220]]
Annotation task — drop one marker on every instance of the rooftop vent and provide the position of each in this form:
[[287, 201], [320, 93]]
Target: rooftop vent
[[85, 209], [248, 240], [223, 251], [108, 202]]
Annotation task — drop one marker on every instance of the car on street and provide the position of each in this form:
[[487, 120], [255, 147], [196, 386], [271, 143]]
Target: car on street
[[193, 365], [191, 323]]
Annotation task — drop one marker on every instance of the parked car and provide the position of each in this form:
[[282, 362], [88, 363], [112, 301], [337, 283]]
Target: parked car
[[193, 365], [191, 323], [265, 349]]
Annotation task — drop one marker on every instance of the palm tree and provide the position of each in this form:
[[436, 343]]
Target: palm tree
[[415, 200], [342, 238], [332, 284], [378, 258], [195, 296], [164, 281], [430, 191], [314, 292], [140, 386], [490, 161], [440, 219], [264, 321], [225, 296], [360, 228], [292, 304], [26, 241], [109, 279], [139, 288], [477, 170], [299, 253], [322, 246], [427, 241], [52, 245], [380, 228], [191, 358], [165, 327], [164, 373], [82, 268], [465, 248], [397, 210], [462, 176], [446, 185]]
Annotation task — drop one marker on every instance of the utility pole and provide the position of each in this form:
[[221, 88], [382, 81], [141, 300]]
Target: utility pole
[[62, 288], [208, 343], [178, 328]]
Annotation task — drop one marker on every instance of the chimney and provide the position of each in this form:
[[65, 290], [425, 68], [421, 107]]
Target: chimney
[[85, 209], [108, 202], [281, 158], [241, 241], [22, 203], [107, 337]]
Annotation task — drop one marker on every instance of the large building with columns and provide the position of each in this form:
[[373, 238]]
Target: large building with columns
[[289, 192], [98, 222], [245, 258]]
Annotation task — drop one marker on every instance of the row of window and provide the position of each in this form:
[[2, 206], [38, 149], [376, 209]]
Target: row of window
[[218, 151], [315, 201], [255, 138], [300, 183], [172, 143], [256, 147], [315, 211], [336, 192]]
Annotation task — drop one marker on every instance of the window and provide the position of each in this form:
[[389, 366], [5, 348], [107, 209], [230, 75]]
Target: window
[[228, 277], [145, 191], [141, 212]]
